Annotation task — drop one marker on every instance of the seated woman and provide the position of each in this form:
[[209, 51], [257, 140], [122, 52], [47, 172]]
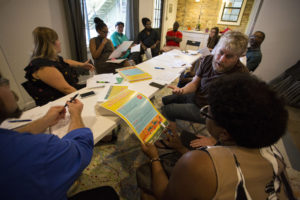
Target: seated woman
[[244, 165], [48, 75], [148, 38], [101, 47], [213, 38], [118, 38]]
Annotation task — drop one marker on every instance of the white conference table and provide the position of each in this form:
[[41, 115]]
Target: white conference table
[[103, 125]]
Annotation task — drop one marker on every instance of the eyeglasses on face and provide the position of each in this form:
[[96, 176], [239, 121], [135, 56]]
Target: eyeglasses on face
[[204, 112], [4, 81]]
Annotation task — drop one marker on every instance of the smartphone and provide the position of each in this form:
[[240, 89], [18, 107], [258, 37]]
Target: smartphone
[[159, 86], [87, 94]]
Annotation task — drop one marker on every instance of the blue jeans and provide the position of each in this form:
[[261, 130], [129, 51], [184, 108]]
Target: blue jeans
[[181, 107]]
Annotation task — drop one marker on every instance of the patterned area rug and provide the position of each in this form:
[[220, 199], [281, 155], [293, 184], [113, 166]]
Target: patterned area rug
[[115, 164]]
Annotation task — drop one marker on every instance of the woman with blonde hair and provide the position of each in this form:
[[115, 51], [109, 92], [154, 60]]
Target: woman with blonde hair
[[49, 76]]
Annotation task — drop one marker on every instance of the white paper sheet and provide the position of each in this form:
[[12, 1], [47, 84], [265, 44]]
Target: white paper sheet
[[148, 53], [204, 51], [165, 77], [121, 48], [115, 60], [136, 48]]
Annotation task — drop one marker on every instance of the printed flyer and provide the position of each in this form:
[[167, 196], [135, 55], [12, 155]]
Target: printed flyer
[[138, 112]]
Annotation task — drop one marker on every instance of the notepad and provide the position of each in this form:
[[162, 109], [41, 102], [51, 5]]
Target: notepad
[[133, 73]]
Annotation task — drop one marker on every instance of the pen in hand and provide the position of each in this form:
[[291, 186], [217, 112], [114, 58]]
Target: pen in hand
[[72, 99], [19, 120]]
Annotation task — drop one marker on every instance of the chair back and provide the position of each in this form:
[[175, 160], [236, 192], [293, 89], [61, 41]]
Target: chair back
[[192, 45]]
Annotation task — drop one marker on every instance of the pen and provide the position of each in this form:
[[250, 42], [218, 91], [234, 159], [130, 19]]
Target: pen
[[72, 99], [102, 82], [19, 120], [159, 68]]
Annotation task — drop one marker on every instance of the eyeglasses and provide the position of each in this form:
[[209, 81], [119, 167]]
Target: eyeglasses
[[204, 112], [105, 32], [4, 82]]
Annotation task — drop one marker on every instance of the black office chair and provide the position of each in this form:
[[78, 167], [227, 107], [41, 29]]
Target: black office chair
[[192, 45]]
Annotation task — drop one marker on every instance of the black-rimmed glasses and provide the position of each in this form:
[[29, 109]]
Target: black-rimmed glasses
[[4, 81], [204, 112]]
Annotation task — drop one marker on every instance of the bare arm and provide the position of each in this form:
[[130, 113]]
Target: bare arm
[[85, 65], [97, 52], [159, 177], [54, 78], [177, 39], [170, 38], [40, 125], [188, 88]]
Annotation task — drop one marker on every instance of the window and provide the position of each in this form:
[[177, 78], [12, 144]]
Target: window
[[157, 14], [231, 12], [110, 11]]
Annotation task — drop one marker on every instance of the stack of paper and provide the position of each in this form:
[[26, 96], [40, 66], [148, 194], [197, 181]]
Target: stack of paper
[[133, 73], [121, 48]]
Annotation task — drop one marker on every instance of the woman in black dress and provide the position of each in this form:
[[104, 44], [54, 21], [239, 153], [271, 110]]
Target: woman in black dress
[[49, 76]]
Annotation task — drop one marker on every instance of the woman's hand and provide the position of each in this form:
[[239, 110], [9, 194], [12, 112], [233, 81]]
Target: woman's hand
[[150, 150], [88, 65]]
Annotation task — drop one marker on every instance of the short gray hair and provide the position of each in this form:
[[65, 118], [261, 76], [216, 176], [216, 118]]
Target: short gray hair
[[233, 41]]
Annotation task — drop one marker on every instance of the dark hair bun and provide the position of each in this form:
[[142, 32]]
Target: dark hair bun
[[97, 20]]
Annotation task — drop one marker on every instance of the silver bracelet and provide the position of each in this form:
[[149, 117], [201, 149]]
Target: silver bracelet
[[154, 159]]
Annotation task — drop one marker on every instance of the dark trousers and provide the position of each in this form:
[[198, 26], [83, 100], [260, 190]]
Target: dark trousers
[[100, 193], [181, 107]]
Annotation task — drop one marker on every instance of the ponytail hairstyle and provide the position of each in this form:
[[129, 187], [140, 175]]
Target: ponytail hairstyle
[[44, 40], [99, 24]]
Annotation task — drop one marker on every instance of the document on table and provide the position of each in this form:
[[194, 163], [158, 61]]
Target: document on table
[[115, 61], [101, 80], [136, 48], [165, 77], [32, 115], [121, 48]]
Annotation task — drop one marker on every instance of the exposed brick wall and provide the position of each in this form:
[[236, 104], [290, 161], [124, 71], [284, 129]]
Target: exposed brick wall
[[188, 14]]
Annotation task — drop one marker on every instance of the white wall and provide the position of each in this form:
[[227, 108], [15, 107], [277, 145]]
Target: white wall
[[145, 10], [18, 19], [280, 21]]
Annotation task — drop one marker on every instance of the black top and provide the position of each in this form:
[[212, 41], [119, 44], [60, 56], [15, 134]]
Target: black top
[[40, 91], [148, 40]]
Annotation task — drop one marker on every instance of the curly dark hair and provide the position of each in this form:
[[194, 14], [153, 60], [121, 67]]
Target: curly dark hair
[[248, 109], [99, 24]]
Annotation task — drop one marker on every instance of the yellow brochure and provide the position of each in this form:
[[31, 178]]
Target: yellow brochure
[[138, 112]]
